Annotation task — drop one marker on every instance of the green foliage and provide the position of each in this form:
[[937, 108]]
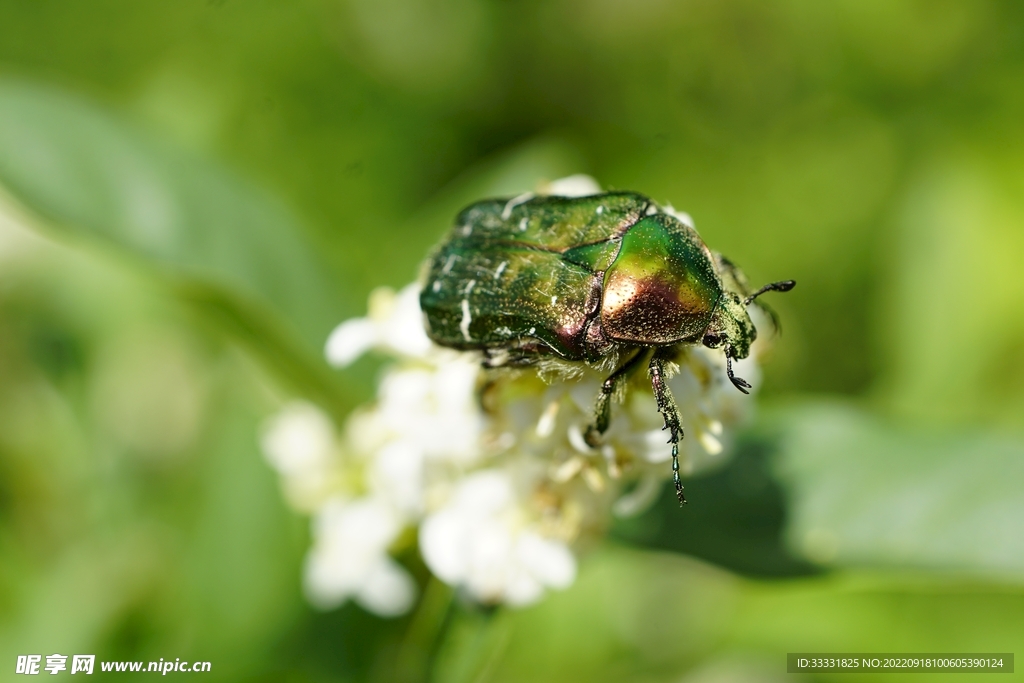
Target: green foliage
[[645, 616], [862, 493], [236, 255], [193, 194]]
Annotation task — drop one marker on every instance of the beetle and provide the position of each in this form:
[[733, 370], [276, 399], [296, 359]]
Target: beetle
[[607, 278]]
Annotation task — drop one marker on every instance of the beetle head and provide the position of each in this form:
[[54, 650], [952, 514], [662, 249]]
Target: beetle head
[[731, 327]]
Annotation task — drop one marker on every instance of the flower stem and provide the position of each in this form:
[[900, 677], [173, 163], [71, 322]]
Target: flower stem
[[417, 651]]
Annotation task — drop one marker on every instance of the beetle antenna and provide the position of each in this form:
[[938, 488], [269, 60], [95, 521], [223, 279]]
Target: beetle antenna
[[737, 382], [781, 286]]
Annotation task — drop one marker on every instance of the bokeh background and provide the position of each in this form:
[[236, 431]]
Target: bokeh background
[[193, 193]]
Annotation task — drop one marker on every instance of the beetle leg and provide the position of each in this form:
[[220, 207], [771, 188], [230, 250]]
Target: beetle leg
[[738, 382], [603, 409], [668, 409]]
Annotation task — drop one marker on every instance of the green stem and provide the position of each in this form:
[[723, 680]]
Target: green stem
[[418, 648], [474, 644]]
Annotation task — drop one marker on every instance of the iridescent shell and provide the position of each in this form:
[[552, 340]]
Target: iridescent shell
[[569, 276]]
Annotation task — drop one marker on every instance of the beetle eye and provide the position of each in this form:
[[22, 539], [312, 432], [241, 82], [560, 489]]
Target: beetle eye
[[712, 340]]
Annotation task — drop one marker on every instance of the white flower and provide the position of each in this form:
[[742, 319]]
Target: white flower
[[300, 443], [502, 496], [349, 558], [425, 414], [482, 539], [394, 325]]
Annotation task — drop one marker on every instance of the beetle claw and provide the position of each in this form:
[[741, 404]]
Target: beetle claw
[[741, 384], [737, 382]]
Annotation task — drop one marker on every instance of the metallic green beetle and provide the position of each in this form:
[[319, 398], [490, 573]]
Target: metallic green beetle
[[586, 279]]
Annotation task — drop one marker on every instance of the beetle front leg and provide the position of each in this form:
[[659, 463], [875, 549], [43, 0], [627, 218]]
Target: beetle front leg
[[737, 382], [603, 407], [668, 409]]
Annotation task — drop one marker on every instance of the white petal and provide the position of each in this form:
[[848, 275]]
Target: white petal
[[579, 185], [490, 560], [388, 591], [349, 340], [484, 493], [522, 590], [639, 499], [298, 440], [657, 450], [455, 384], [568, 469], [402, 391], [583, 394], [397, 472], [403, 331], [546, 423], [711, 444], [575, 436], [444, 546], [350, 540], [330, 578], [367, 523], [547, 560]]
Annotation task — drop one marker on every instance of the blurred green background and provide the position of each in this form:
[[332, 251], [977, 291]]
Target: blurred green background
[[193, 193]]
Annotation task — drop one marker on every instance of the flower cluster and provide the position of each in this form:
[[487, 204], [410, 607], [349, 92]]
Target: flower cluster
[[486, 472]]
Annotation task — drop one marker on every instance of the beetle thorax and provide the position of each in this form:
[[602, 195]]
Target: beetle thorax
[[661, 288]]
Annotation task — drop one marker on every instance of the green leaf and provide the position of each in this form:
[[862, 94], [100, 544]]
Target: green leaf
[[89, 174], [865, 493], [630, 616], [225, 247], [644, 616], [271, 343]]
